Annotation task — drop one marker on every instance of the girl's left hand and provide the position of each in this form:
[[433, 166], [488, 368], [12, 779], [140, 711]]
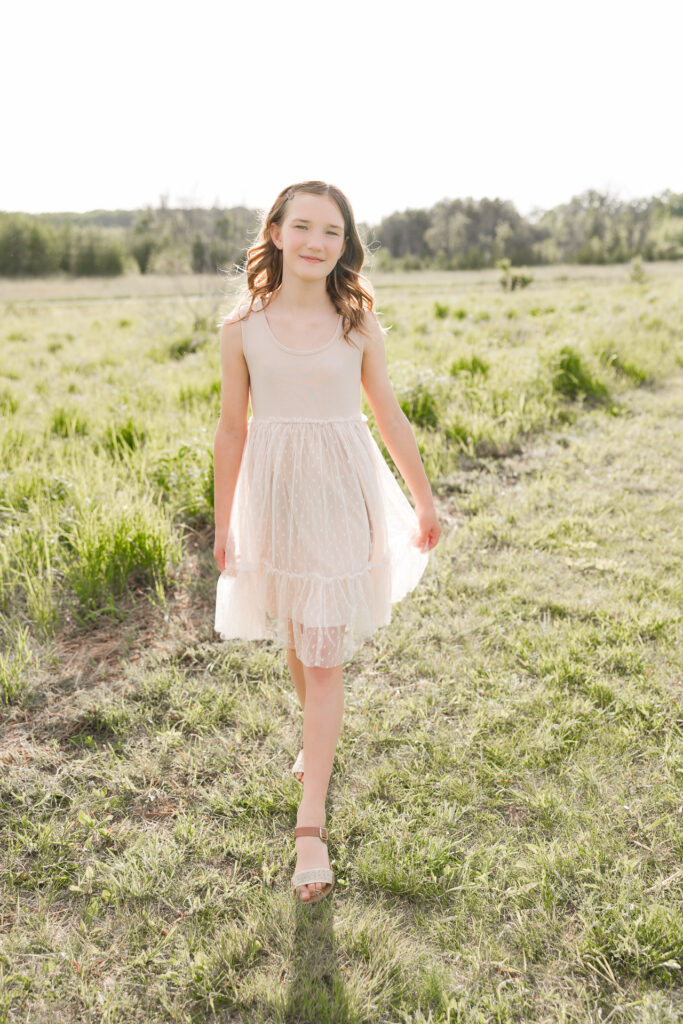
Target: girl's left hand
[[429, 529]]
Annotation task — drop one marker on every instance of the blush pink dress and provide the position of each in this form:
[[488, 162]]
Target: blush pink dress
[[324, 538]]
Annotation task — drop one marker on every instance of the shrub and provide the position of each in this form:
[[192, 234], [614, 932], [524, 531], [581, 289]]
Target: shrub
[[510, 281], [572, 378], [637, 274]]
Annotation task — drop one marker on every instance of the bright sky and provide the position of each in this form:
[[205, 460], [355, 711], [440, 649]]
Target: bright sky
[[400, 105]]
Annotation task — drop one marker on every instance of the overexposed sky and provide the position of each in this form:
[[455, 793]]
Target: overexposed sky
[[400, 105]]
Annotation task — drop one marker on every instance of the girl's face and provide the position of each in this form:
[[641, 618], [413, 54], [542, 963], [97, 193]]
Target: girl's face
[[311, 236]]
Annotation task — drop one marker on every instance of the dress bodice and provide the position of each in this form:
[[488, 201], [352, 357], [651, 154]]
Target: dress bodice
[[320, 383]]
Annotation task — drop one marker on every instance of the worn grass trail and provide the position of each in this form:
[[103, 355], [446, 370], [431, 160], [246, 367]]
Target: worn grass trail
[[505, 807]]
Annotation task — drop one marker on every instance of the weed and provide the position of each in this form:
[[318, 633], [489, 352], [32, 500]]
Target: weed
[[8, 402], [122, 437], [611, 358], [572, 378], [185, 346], [420, 403], [68, 423], [13, 662], [472, 365]]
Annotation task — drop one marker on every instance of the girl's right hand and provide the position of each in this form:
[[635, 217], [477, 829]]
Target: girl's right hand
[[224, 552], [219, 548], [429, 528]]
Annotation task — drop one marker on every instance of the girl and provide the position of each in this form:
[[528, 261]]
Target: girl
[[315, 539]]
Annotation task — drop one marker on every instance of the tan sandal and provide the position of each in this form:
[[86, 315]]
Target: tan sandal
[[313, 874], [298, 766]]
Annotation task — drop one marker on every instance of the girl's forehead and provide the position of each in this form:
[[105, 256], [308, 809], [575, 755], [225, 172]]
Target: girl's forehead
[[318, 208]]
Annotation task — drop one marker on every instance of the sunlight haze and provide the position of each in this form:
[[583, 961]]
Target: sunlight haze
[[398, 105]]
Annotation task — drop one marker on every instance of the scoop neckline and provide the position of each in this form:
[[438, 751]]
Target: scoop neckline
[[302, 351]]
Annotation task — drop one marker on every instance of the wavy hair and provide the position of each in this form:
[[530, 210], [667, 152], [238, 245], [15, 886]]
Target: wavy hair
[[350, 291]]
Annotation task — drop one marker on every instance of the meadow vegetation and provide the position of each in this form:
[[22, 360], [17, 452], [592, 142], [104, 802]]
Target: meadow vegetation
[[505, 807]]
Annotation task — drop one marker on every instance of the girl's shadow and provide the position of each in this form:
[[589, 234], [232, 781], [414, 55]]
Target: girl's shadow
[[316, 992]]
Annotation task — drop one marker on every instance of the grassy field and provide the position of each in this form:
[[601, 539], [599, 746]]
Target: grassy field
[[505, 806]]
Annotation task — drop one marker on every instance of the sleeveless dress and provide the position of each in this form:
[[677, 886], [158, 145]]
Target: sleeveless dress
[[324, 538]]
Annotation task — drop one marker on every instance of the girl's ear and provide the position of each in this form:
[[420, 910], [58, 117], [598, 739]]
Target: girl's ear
[[275, 235]]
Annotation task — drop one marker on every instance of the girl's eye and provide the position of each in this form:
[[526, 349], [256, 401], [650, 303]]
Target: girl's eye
[[335, 234]]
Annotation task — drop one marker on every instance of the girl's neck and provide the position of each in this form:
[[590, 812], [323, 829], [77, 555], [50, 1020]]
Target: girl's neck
[[301, 297]]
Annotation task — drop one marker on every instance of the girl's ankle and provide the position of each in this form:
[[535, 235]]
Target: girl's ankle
[[314, 815]]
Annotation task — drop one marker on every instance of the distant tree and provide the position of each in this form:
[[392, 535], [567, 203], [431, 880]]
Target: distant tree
[[468, 234], [597, 228], [27, 247], [96, 255], [593, 227], [143, 242], [404, 233], [200, 261], [142, 250], [665, 238]]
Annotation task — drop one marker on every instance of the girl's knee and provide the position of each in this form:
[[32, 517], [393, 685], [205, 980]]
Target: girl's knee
[[323, 676]]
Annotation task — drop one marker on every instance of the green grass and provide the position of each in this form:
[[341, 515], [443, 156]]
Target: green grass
[[505, 805]]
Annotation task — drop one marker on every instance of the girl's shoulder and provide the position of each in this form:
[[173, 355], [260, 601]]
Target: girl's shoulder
[[371, 329], [240, 312]]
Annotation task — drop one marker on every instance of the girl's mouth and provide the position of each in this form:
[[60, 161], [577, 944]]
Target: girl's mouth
[[311, 259]]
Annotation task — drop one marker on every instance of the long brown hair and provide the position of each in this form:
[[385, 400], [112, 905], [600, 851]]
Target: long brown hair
[[350, 291]]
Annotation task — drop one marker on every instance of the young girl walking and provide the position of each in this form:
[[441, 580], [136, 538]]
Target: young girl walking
[[315, 539]]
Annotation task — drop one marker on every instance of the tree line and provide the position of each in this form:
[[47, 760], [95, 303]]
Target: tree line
[[454, 234]]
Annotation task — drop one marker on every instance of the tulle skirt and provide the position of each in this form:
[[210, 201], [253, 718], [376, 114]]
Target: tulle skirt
[[322, 540]]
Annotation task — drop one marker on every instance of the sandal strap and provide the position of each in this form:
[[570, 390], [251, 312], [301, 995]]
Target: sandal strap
[[313, 875], [311, 830]]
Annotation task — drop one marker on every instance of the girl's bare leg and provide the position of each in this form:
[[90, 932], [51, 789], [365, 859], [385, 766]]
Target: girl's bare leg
[[296, 670], [323, 713]]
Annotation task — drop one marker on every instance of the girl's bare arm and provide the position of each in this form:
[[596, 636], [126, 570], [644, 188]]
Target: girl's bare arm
[[392, 422], [231, 431]]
